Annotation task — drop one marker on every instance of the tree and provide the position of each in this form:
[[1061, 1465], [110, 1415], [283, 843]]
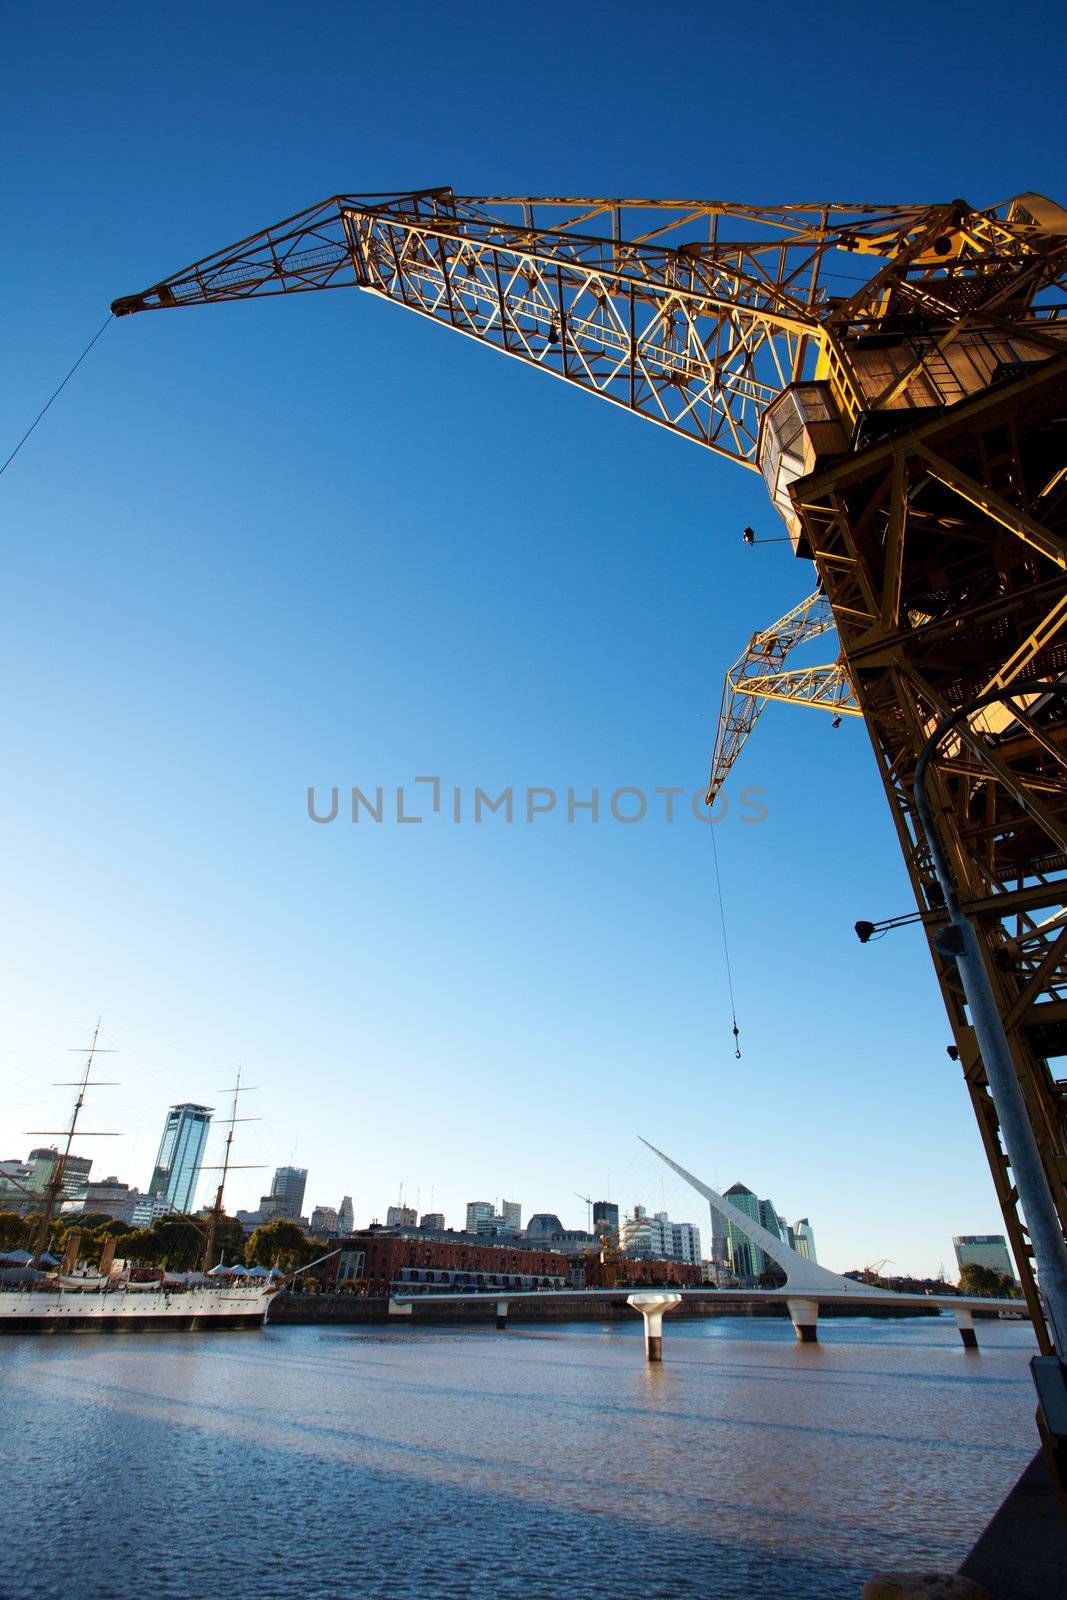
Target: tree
[[282, 1244], [976, 1279], [141, 1244], [229, 1240], [13, 1230], [181, 1242]]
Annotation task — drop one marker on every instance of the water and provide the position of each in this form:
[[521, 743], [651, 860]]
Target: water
[[338, 1464]]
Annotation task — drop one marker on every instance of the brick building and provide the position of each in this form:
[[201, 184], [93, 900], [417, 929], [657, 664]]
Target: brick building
[[640, 1273], [378, 1260]]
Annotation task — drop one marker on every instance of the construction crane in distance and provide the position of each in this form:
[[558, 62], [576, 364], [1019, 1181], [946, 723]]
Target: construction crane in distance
[[898, 374]]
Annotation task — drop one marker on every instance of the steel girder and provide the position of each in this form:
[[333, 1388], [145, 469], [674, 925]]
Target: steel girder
[[760, 675], [692, 314], [942, 556]]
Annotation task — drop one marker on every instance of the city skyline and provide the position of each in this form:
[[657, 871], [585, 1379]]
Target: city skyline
[[387, 1214]]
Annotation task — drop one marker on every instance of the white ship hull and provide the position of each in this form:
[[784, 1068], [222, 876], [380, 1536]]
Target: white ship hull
[[120, 1310]]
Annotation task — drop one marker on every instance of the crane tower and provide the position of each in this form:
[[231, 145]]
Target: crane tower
[[898, 374]]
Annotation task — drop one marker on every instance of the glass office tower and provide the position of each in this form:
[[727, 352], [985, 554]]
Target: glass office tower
[[181, 1152]]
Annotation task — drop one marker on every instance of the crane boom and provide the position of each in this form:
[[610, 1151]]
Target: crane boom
[[898, 374], [760, 674], [696, 319]]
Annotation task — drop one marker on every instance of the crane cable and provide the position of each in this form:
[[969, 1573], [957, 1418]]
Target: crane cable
[[55, 393], [725, 945]]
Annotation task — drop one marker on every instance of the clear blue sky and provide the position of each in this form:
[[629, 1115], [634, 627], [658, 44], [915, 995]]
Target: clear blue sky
[[258, 547]]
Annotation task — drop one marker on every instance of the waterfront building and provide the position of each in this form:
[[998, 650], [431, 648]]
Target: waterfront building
[[433, 1221], [609, 1271], [346, 1217], [401, 1217], [984, 1250], [181, 1153], [324, 1220], [286, 1198], [380, 1261], [511, 1211], [605, 1219], [804, 1240]]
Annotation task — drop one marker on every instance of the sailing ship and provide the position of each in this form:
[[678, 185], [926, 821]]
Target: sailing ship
[[40, 1294]]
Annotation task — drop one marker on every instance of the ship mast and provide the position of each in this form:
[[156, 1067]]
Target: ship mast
[[216, 1210], [55, 1183]]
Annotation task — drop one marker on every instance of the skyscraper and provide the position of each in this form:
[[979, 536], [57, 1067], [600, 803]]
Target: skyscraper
[[746, 1258], [286, 1198], [346, 1217], [984, 1250], [181, 1152], [605, 1220], [42, 1163], [324, 1221], [478, 1211], [511, 1211], [805, 1239], [401, 1217]]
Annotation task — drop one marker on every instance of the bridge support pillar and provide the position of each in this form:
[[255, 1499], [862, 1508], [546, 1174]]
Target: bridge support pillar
[[805, 1319], [502, 1315], [965, 1323], [652, 1307]]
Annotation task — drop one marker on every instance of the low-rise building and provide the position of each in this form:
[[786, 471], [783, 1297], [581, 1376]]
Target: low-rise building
[[380, 1261]]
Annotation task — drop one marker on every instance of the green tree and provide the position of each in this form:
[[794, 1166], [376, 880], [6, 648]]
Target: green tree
[[14, 1230], [282, 1244], [180, 1242], [229, 1240], [976, 1279], [141, 1244]]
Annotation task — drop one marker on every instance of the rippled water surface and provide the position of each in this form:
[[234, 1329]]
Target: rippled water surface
[[334, 1464]]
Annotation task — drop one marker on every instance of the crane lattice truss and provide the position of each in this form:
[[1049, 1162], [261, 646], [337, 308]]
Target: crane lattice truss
[[760, 675], [899, 375]]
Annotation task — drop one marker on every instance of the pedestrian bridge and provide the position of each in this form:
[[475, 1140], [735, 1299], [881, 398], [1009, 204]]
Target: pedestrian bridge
[[807, 1287]]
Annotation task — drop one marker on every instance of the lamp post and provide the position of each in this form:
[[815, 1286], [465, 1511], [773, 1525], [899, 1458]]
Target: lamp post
[[960, 942]]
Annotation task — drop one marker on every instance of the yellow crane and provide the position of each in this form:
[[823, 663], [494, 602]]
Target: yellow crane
[[910, 430]]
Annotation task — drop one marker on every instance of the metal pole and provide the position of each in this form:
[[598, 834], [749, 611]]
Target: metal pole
[[960, 942]]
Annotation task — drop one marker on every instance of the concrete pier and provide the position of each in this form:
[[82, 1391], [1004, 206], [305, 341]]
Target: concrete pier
[[805, 1318], [965, 1323], [652, 1307]]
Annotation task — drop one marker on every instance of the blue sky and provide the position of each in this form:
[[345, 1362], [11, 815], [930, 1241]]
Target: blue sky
[[257, 547]]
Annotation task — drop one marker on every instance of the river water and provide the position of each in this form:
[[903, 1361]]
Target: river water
[[541, 1463]]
